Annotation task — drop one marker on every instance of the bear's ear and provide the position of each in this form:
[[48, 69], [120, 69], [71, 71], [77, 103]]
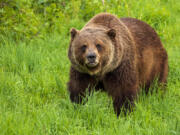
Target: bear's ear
[[73, 33], [111, 33]]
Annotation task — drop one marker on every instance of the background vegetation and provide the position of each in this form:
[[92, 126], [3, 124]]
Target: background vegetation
[[34, 38]]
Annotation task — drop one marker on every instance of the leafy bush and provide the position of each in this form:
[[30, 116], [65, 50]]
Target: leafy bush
[[34, 18]]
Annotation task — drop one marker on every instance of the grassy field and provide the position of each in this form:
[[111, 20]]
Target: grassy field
[[33, 76]]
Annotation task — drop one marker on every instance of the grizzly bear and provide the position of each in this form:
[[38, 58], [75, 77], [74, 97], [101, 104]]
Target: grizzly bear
[[118, 56]]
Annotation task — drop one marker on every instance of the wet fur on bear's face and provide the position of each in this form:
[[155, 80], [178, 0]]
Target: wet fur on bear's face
[[92, 49]]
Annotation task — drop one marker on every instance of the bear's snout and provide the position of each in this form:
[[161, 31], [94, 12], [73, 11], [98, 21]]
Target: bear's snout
[[91, 57]]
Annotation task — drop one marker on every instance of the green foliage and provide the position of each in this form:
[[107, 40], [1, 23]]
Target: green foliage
[[27, 19], [34, 70]]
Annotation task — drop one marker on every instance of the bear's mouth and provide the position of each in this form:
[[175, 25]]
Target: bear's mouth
[[92, 65]]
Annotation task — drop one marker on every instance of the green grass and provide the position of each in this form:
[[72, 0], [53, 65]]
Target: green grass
[[33, 76]]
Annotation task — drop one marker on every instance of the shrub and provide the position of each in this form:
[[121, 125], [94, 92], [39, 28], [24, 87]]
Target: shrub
[[24, 19]]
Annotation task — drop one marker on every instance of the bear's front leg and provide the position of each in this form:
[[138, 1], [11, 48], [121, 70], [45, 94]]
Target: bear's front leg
[[78, 84], [122, 85], [125, 99]]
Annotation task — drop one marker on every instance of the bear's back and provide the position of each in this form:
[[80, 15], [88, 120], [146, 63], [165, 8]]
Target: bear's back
[[151, 54], [143, 34]]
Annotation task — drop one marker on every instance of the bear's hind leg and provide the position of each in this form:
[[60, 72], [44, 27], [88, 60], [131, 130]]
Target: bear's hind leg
[[164, 71]]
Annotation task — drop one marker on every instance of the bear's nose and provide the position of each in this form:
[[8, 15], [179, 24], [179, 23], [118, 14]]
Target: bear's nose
[[91, 57]]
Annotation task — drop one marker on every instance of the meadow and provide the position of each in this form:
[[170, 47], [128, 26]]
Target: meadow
[[34, 71]]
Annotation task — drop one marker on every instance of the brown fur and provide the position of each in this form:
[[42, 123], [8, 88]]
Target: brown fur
[[131, 56]]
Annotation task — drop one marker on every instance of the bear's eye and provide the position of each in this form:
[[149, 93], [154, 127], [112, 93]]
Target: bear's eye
[[99, 47], [83, 48]]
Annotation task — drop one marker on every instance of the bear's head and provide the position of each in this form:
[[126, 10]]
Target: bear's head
[[92, 50]]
